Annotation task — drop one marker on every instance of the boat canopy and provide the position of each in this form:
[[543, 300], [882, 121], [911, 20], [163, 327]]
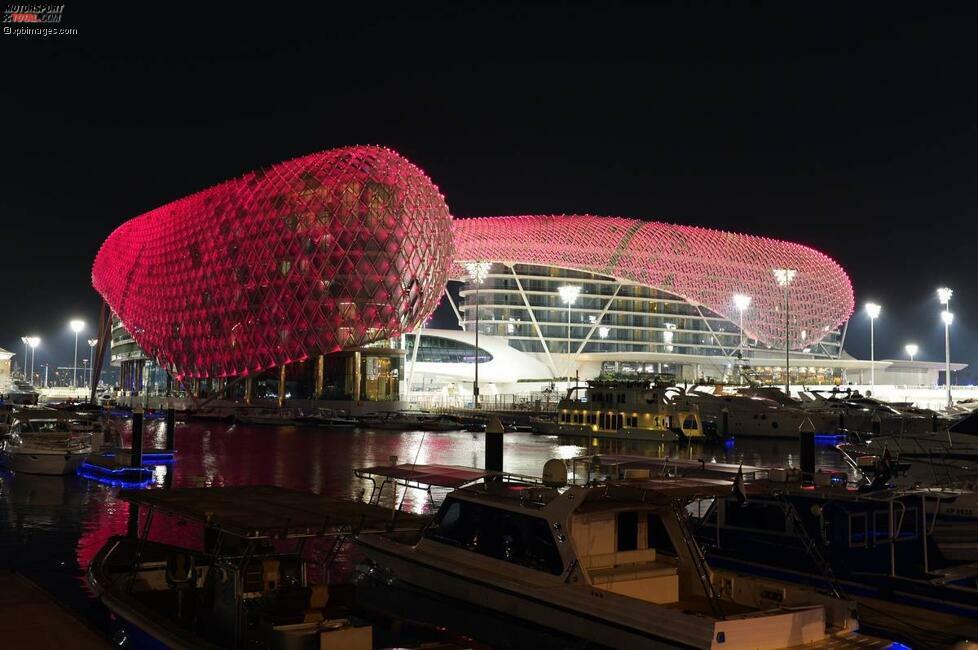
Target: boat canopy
[[619, 463], [268, 512], [445, 476]]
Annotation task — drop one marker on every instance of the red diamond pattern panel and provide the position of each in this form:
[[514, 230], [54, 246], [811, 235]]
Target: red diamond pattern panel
[[336, 249], [706, 267]]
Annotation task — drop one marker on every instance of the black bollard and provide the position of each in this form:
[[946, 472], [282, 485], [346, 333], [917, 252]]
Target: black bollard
[[171, 420], [807, 457], [933, 426], [726, 424], [136, 456], [494, 445]]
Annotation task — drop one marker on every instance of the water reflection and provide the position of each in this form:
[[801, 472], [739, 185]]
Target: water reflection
[[51, 527]]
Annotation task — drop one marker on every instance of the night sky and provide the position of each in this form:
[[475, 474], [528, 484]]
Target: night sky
[[852, 130]]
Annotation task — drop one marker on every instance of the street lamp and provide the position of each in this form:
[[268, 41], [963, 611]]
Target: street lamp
[[91, 363], [911, 349], [33, 341], [742, 302], [76, 326], [948, 318], [944, 296], [477, 272], [26, 340], [568, 294], [873, 311], [784, 278]]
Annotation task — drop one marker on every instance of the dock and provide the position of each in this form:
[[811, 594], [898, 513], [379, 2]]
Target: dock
[[31, 618]]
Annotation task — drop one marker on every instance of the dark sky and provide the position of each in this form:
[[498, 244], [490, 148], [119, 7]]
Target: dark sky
[[850, 129]]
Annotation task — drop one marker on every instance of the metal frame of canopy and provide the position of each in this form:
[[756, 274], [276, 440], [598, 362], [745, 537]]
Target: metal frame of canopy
[[425, 477]]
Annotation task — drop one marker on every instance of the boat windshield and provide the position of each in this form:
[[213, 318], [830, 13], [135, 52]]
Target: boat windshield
[[515, 537]]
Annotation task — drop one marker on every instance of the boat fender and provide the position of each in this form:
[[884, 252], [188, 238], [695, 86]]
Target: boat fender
[[181, 570]]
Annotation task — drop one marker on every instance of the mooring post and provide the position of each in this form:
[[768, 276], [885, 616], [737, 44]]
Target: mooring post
[[136, 457], [171, 421], [494, 444]]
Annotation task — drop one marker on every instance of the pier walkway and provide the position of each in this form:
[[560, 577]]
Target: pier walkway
[[31, 618]]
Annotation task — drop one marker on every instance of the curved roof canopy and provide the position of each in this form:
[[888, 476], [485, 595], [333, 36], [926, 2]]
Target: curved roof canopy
[[703, 266]]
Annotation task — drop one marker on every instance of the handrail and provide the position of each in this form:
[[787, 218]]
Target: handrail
[[699, 560]]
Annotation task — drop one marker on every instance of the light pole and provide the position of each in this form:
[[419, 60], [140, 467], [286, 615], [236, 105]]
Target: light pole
[[742, 302], [568, 294], [911, 349], [91, 361], [784, 278], [478, 272], [33, 341], [76, 327], [873, 311], [944, 296], [26, 340]]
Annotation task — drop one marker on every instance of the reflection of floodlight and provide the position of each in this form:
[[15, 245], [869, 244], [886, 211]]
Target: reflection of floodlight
[[569, 293], [912, 350], [944, 295], [947, 317], [741, 301], [603, 332], [873, 310]]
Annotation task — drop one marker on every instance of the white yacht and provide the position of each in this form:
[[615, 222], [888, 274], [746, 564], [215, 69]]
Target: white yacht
[[613, 563], [44, 446], [624, 410]]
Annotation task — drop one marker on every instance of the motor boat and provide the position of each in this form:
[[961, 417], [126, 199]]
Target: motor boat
[[44, 446], [326, 419], [245, 582], [21, 392], [611, 563], [623, 410], [270, 416], [876, 545], [410, 421], [213, 412], [861, 413], [762, 412]]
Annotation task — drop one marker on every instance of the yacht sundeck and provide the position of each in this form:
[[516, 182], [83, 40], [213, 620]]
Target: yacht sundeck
[[613, 563]]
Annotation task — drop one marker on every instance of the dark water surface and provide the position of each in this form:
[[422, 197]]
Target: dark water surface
[[51, 527]]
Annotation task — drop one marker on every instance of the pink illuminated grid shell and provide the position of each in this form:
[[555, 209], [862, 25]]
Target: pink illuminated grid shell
[[336, 249], [705, 267]]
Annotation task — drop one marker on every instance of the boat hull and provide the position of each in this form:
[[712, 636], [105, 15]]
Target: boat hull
[[44, 462], [547, 428]]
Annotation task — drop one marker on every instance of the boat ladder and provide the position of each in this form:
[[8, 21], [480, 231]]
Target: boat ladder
[[811, 548], [699, 560]]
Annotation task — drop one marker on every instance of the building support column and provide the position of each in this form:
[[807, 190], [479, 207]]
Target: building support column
[[281, 386], [357, 374], [317, 390], [249, 383]]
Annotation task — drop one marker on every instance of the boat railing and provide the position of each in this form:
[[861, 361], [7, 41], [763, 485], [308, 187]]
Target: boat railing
[[809, 544], [697, 557]]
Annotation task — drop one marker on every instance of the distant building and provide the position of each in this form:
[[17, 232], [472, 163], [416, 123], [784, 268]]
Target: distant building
[[5, 369]]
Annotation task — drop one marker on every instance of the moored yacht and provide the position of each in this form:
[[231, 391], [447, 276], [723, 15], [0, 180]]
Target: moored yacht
[[877, 546], [39, 445], [613, 564], [623, 409]]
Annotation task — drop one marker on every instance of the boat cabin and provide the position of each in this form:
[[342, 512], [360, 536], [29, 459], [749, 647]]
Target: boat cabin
[[634, 406]]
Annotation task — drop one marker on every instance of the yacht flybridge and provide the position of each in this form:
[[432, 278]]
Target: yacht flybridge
[[613, 563]]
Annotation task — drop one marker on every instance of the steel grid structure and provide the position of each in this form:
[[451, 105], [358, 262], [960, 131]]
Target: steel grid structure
[[335, 249], [702, 266]]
